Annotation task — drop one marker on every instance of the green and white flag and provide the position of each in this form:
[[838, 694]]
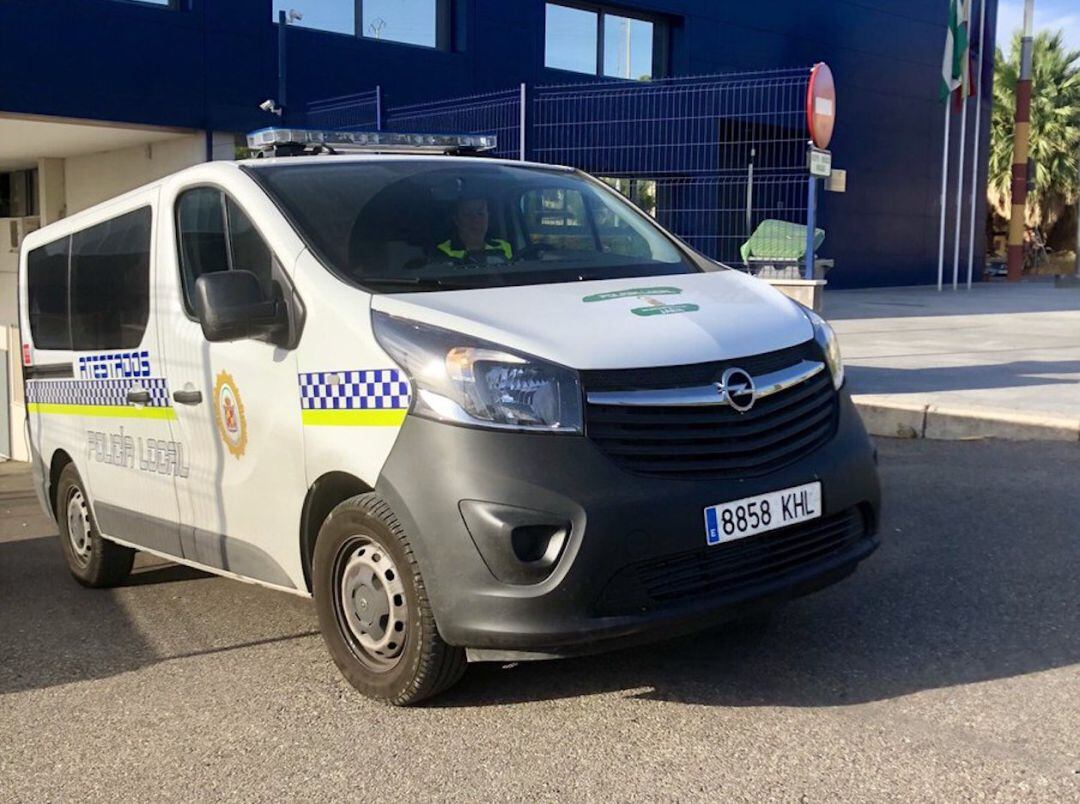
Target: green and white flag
[[954, 64]]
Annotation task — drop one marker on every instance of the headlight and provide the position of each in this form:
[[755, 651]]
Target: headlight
[[458, 378], [830, 345]]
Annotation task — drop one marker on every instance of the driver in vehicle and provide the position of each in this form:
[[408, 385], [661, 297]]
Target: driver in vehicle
[[470, 243]]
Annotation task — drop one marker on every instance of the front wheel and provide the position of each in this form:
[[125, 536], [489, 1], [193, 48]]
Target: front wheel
[[373, 608], [92, 560]]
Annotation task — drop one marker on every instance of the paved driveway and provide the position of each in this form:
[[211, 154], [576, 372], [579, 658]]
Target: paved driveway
[[946, 669]]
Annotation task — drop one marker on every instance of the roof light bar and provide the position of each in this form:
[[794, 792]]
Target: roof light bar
[[276, 141]]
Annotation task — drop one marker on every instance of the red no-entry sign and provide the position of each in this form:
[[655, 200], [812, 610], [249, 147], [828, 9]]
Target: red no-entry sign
[[821, 105]]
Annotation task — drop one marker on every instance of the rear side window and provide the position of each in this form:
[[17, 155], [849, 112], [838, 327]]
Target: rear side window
[[47, 295], [215, 235], [110, 283], [92, 290]]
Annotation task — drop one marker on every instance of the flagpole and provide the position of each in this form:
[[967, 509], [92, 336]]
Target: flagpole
[[977, 137], [959, 192], [944, 194]]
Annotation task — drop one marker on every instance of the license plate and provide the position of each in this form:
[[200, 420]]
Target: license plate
[[777, 509]]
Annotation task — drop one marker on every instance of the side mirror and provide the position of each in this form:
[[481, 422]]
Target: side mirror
[[231, 306]]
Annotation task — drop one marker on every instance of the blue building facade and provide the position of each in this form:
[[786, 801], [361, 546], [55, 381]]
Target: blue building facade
[[206, 65]]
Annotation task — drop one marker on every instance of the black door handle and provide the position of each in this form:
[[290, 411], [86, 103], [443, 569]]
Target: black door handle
[[137, 396], [187, 397]]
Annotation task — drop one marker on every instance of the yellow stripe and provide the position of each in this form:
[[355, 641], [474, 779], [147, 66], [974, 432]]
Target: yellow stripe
[[353, 418], [104, 411]]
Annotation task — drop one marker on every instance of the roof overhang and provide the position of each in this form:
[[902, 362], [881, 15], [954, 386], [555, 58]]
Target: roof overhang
[[26, 138]]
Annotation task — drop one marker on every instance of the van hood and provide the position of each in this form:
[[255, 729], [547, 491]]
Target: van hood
[[619, 323]]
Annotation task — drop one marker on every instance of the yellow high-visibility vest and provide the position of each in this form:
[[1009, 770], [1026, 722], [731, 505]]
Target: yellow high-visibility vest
[[491, 245]]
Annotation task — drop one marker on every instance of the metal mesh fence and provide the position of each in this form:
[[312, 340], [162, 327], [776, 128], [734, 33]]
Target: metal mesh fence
[[719, 160], [360, 112], [497, 113], [675, 126], [758, 226], [725, 155]]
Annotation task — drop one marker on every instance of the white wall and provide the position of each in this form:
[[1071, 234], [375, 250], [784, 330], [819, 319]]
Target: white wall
[[11, 232], [93, 178]]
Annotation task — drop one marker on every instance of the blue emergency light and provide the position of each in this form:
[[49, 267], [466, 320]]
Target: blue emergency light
[[276, 141]]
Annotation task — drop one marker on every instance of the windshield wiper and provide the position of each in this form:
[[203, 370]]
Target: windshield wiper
[[418, 281]]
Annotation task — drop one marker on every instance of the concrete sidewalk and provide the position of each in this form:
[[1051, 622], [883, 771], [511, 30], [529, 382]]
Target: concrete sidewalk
[[999, 361]]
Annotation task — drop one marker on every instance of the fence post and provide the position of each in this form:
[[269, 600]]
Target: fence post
[[521, 130], [811, 223], [378, 107]]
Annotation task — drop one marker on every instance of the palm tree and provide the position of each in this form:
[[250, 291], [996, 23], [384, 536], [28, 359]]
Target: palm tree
[[1055, 128]]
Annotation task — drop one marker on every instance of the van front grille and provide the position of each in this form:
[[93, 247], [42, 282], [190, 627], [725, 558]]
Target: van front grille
[[716, 441]]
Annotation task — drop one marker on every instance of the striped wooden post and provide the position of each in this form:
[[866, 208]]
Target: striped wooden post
[[1021, 142]]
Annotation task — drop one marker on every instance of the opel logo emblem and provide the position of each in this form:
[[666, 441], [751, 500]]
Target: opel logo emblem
[[736, 387]]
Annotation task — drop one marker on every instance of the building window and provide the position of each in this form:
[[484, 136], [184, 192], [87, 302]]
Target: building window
[[173, 4], [570, 37], [409, 22], [598, 41], [18, 194], [338, 16], [628, 47]]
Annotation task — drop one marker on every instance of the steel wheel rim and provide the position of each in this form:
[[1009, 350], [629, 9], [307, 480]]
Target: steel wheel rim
[[371, 607], [78, 528]]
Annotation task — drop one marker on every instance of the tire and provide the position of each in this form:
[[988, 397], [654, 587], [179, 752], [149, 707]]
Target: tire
[[373, 609], [92, 560]]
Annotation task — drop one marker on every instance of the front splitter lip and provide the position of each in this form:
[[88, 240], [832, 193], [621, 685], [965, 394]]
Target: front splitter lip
[[601, 634]]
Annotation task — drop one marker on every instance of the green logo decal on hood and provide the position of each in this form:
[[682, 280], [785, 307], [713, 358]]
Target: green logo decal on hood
[[655, 306], [665, 309], [632, 292]]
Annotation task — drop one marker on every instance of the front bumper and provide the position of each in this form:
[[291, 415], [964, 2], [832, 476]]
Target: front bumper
[[619, 523]]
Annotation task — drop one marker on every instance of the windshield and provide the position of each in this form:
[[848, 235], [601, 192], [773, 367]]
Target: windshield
[[411, 225]]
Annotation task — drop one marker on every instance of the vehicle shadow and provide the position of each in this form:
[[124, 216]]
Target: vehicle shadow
[[54, 631], [164, 573], [974, 583]]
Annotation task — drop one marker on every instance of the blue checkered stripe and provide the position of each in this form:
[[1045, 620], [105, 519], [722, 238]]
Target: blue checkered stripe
[[96, 392], [373, 389]]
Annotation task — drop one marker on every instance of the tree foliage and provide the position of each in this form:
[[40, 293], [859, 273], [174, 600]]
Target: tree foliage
[[1055, 128]]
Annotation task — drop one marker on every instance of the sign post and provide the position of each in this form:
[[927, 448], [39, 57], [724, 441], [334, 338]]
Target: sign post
[[820, 119]]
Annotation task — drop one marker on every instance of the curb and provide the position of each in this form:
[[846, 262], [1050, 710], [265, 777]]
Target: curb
[[887, 417]]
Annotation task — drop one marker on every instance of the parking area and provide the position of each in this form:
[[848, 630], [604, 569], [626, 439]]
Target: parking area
[[947, 668]]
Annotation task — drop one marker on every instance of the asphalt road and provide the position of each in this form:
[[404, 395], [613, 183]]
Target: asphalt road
[[947, 668]]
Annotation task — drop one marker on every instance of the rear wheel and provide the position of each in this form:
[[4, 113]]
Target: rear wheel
[[373, 608], [92, 560]]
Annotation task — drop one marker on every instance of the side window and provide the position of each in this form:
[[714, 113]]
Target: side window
[[214, 234], [47, 294], [248, 250], [200, 224], [110, 282]]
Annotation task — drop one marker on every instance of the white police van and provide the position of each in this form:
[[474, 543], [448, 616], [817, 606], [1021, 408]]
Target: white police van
[[478, 409]]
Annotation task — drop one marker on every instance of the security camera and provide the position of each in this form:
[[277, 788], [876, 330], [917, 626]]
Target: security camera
[[270, 105], [294, 15]]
